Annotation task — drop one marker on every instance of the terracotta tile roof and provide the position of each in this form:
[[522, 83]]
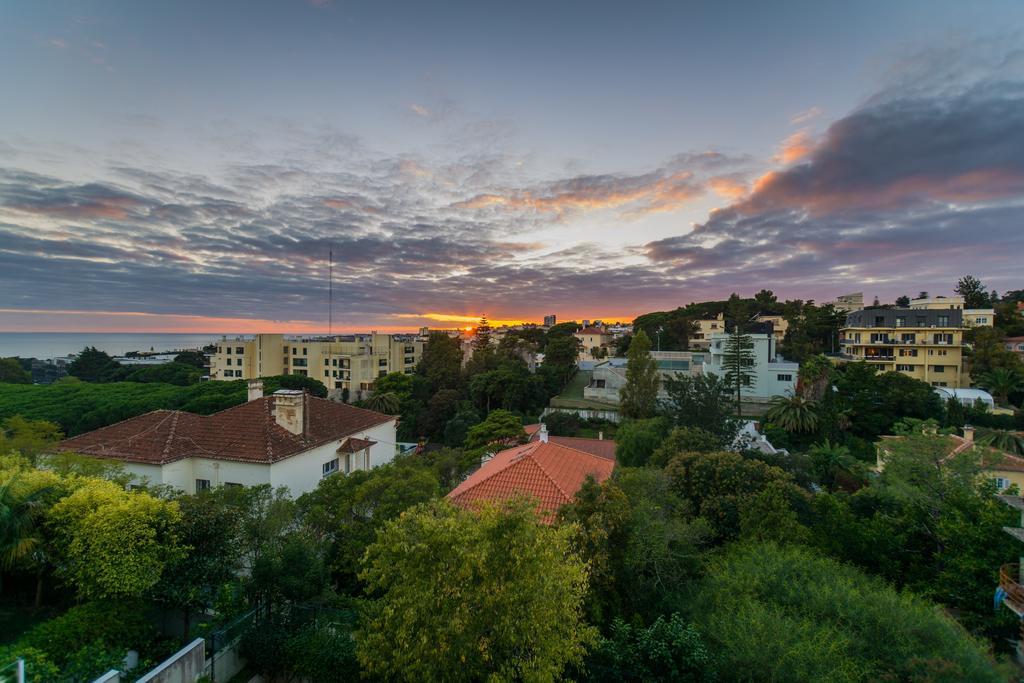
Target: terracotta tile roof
[[354, 445], [601, 447], [593, 330], [991, 458], [552, 473], [244, 433]]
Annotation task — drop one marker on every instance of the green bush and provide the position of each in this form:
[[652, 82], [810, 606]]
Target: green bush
[[786, 614], [38, 666], [116, 625], [667, 650]]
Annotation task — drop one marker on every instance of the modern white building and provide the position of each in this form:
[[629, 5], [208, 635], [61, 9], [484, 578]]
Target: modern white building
[[289, 439], [772, 374], [967, 397]]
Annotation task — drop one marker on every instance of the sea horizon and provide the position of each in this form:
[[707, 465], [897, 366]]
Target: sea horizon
[[44, 345]]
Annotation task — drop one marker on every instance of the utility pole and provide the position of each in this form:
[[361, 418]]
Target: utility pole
[[330, 292]]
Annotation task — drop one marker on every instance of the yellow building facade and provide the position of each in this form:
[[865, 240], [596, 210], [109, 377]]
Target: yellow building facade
[[342, 363], [926, 344]]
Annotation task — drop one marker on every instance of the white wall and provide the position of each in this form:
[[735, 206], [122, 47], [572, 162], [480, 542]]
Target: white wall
[[300, 473]]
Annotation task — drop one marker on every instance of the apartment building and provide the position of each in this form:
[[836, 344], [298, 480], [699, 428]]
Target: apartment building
[[849, 302], [779, 325], [701, 340], [550, 320], [773, 375], [608, 377], [348, 364], [972, 317], [594, 341], [923, 343]]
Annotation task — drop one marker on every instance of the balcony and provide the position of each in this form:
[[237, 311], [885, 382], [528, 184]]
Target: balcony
[[1010, 581]]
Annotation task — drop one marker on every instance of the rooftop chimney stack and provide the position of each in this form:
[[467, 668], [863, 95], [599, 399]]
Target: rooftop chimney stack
[[255, 389], [968, 433], [543, 433], [289, 406]]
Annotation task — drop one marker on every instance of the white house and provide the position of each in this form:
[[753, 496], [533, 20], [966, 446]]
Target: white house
[[289, 439], [772, 374]]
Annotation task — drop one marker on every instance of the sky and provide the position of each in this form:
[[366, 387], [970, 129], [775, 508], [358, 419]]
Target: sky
[[190, 166]]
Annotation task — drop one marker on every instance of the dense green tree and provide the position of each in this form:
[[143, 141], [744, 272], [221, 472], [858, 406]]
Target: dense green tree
[[903, 301], [562, 424], [114, 543], [562, 351], [637, 440], [345, 512], [440, 409], [457, 429], [93, 365], [718, 487], [783, 613], [835, 467], [738, 363], [974, 292], [294, 571], [1001, 439], [685, 440], [876, 400], [181, 374], [668, 650], [196, 359], [20, 511], [622, 345], [482, 335], [12, 372], [28, 438], [812, 330], [638, 397], [386, 402], [501, 429], [441, 362], [469, 596], [701, 401]]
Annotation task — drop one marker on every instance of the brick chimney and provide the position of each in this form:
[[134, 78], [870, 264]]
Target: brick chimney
[[255, 389], [968, 433], [289, 405], [542, 435]]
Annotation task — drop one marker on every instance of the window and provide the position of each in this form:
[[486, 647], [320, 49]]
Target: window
[[295, 351], [784, 378], [879, 321], [202, 485], [240, 350], [909, 352], [228, 350], [982, 320], [299, 362], [901, 321], [305, 350], [327, 361], [382, 362], [904, 368], [327, 373], [921, 321], [938, 368], [330, 467], [231, 483], [943, 321], [220, 349], [940, 338], [1002, 483], [908, 337]]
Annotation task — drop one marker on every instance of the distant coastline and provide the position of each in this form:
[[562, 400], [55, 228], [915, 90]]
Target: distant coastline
[[54, 344]]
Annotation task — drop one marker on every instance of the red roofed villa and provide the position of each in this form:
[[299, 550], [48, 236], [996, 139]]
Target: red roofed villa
[[287, 439], [548, 469]]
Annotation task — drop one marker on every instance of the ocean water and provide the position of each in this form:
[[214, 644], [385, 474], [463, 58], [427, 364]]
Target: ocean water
[[52, 344]]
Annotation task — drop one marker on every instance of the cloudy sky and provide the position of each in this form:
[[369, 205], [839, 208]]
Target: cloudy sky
[[189, 165]]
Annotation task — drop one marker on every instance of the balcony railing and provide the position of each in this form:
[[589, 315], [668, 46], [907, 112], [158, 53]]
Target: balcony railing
[[1009, 581]]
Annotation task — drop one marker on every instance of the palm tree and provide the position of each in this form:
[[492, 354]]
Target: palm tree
[[834, 464], [1000, 439], [386, 402], [19, 510], [794, 413], [1001, 382]]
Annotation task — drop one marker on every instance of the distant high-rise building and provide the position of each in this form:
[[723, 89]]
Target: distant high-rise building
[[550, 320]]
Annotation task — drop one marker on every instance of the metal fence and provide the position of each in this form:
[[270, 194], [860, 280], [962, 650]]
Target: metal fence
[[13, 672]]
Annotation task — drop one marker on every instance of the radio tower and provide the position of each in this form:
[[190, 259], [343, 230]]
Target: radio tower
[[330, 292]]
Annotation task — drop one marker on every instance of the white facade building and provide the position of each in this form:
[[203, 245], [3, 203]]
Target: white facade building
[[772, 374], [289, 439]]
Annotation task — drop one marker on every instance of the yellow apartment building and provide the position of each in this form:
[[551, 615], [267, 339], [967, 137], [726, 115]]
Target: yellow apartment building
[[349, 362], [926, 344], [779, 325], [708, 326]]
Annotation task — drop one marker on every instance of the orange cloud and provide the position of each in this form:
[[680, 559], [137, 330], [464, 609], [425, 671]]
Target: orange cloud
[[729, 188], [589, 194], [795, 147]]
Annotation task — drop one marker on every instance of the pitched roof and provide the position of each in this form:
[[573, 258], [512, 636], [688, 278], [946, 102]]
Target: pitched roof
[[243, 433], [990, 458], [604, 448], [594, 330], [550, 472]]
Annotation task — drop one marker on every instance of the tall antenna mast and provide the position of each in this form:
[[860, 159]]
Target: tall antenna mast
[[330, 292]]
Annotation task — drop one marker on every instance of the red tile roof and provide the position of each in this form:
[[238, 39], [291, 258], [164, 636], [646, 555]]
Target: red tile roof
[[552, 473], [594, 330], [244, 433], [602, 447]]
